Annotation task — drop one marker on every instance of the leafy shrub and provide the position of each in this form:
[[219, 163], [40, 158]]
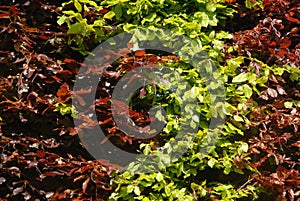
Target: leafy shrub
[[197, 20], [246, 78], [256, 156], [90, 22]]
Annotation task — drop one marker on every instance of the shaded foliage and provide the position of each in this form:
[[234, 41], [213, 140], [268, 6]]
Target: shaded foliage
[[39, 159], [274, 135], [275, 38]]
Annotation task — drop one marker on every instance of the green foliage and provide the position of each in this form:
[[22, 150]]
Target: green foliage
[[79, 28], [254, 4], [193, 18], [65, 109], [178, 178]]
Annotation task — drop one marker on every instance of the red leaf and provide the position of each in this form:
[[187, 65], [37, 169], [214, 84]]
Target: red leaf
[[44, 37], [26, 196], [130, 45], [85, 168], [152, 58], [52, 156], [102, 101], [106, 138], [67, 60], [6, 15], [103, 11], [49, 194], [106, 121], [282, 52], [112, 130], [31, 30], [230, 1], [272, 51], [85, 185], [263, 95], [73, 131], [87, 91], [56, 79], [272, 44], [2, 89], [143, 92], [291, 19], [18, 190], [40, 154], [291, 194], [50, 174], [64, 93], [285, 43], [140, 53], [267, 3], [124, 51], [100, 174], [280, 90], [113, 74], [296, 144], [66, 73], [2, 180]]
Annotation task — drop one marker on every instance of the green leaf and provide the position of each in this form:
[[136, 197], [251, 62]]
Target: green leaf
[[75, 28], [165, 158], [237, 170], [211, 162], [137, 190], [129, 27], [227, 170], [195, 118], [169, 127], [238, 118], [223, 187], [211, 7], [85, 8], [243, 148], [202, 18], [98, 23], [149, 18], [147, 148], [77, 6], [233, 128], [278, 71], [288, 104], [118, 11], [160, 116], [247, 91], [250, 4], [242, 77], [109, 15], [130, 188], [93, 3], [223, 34], [159, 177], [235, 62], [69, 12], [190, 25], [61, 20]]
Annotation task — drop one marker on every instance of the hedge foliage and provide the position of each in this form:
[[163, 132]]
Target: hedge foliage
[[253, 55]]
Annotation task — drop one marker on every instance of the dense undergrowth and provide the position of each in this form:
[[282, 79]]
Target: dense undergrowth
[[253, 44]]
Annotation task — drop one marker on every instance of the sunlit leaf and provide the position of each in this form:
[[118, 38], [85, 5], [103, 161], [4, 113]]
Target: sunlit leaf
[[242, 77], [109, 15]]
